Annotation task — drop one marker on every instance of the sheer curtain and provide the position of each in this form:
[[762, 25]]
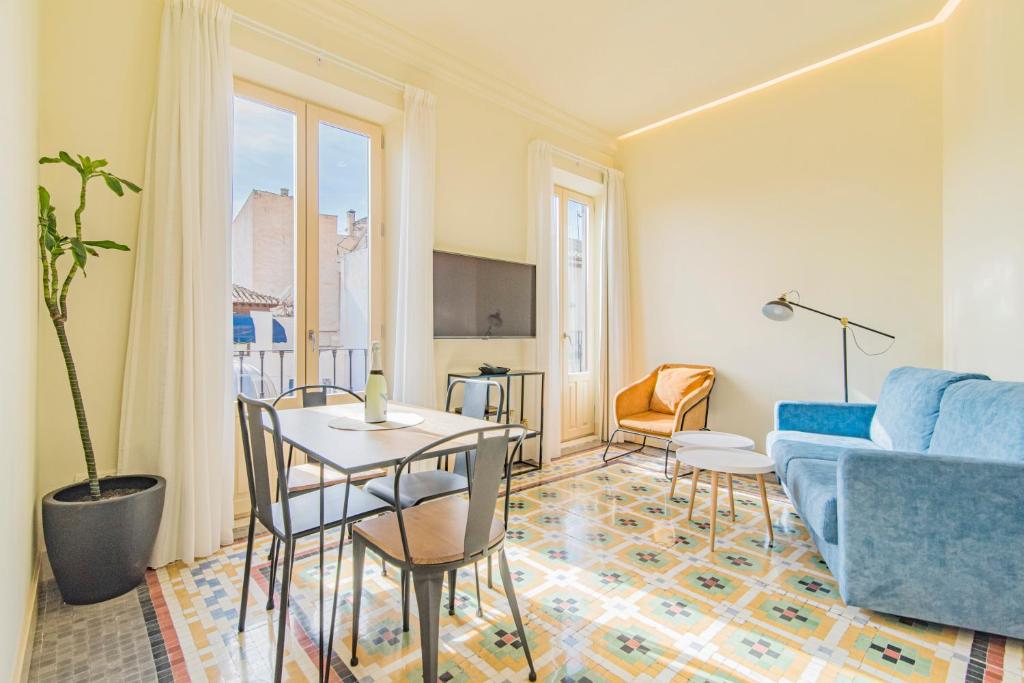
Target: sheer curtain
[[176, 409], [614, 324], [540, 184], [413, 368]]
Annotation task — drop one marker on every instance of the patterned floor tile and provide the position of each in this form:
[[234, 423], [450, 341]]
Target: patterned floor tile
[[614, 582]]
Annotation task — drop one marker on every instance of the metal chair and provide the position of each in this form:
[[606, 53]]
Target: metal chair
[[292, 517], [419, 487], [443, 535], [306, 477]]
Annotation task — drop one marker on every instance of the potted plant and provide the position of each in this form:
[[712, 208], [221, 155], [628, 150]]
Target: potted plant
[[99, 533]]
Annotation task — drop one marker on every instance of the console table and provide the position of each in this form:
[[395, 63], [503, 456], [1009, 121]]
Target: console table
[[507, 377]]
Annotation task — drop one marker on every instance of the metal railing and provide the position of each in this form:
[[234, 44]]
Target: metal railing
[[256, 370]]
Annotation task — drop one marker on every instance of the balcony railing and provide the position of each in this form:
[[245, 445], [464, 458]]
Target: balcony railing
[[266, 373]]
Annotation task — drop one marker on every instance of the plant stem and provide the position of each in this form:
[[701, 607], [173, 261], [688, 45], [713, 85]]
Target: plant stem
[[76, 395]]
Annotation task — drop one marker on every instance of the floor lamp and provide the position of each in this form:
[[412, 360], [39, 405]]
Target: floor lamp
[[781, 309]]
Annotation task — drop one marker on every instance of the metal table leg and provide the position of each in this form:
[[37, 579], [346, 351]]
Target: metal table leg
[[326, 671]]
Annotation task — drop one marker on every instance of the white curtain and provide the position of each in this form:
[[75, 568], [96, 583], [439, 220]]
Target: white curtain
[[540, 185], [614, 324], [176, 411], [413, 367]]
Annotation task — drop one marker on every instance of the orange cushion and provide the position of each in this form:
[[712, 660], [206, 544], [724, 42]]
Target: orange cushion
[[673, 385], [650, 422]]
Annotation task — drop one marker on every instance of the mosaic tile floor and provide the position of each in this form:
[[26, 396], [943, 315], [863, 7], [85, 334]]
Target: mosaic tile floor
[[614, 582]]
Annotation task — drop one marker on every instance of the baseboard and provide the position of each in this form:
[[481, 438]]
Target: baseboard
[[28, 626]]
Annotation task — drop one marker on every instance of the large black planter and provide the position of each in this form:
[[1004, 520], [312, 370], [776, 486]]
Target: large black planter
[[99, 549]]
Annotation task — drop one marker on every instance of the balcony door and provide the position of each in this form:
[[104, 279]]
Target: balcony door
[[305, 249], [574, 218], [306, 230]]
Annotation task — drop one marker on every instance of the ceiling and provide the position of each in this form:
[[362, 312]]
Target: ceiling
[[622, 64]]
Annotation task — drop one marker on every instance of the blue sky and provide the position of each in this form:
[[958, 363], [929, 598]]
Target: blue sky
[[264, 159]]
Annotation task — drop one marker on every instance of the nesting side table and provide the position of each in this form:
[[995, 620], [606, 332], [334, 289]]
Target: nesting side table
[[728, 461]]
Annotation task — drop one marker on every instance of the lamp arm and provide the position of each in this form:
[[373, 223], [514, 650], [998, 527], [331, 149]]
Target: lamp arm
[[840, 319]]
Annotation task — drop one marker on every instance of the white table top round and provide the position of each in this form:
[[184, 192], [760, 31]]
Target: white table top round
[[726, 460], [700, 437]]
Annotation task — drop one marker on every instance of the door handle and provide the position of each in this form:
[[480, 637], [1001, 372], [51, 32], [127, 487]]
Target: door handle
[[311, 336]]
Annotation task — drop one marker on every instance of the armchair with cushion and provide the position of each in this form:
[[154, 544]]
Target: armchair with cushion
[[673, 397]]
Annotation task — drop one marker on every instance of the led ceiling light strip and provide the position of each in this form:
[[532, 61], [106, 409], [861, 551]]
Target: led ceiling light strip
[[942, 16]]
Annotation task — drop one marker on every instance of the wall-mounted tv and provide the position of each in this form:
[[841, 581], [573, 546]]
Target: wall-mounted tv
[[483, 298]]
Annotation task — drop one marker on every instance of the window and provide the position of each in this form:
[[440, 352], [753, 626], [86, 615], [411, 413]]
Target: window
[[305, 243]]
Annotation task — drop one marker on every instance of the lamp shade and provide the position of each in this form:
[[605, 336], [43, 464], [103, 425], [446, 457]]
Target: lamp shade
[[777, 309]]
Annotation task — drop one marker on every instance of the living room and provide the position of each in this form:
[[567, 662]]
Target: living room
[[600, 207]]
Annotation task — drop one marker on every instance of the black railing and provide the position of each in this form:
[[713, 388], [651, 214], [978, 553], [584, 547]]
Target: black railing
[[255, 370]]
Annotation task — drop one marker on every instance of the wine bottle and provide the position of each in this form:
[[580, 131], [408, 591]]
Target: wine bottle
[[376, 409]]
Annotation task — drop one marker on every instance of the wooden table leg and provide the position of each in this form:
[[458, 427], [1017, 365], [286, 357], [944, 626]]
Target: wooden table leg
[[732, 503], [767, 512], [693, 492], [714, 507], [675, 478]]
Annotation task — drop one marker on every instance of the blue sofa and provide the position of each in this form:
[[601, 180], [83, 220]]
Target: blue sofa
[[916, 503]]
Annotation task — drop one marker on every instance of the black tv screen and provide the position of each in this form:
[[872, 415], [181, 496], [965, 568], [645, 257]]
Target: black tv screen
[[481, 298]]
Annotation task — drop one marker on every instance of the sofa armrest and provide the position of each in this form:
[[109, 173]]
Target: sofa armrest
[[636, 397], [934, 537], [838, 419]]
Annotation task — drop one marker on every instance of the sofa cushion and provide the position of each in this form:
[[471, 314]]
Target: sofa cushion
[[650, 422], [909, 406], [785, 447], [812, 484], [981, 419], [673, 385]]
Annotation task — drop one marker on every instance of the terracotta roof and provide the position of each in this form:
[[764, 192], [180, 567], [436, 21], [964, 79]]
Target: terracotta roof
[[244, 295]]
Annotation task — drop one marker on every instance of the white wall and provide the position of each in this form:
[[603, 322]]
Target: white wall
[[983, 188], [830, 184], [18, 273]]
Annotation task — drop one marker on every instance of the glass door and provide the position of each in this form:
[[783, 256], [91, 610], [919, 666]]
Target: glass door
[[306, 229], [342, 215], [267, 297], [574, 218]]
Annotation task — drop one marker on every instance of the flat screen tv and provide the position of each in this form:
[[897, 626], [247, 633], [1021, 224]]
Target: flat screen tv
[[483, 298]]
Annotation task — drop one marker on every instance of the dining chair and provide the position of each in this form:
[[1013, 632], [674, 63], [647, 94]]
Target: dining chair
[[306, 476], [290, 518], [420, 487], [442, 535]]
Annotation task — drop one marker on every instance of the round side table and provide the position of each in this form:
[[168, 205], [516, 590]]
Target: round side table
[[726, 461], [696, 438]]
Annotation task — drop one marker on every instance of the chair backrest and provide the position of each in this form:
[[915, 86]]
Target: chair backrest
[[492, 463], [476, 398], [253, 416], [314, 395], [676, 381]]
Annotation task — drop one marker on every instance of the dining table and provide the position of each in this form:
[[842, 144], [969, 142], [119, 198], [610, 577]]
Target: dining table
[[355, 451]]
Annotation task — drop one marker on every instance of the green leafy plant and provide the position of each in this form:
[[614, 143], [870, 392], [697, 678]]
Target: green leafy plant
[[53, 246]]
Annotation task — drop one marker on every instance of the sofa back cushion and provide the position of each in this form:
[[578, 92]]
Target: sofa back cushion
[[981, 420], [909, 406], [674, 384]]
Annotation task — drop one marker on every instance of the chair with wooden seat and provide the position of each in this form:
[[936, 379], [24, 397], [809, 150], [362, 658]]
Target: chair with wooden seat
[[419, 487], [292, 517], [440, 536], [673, 397]]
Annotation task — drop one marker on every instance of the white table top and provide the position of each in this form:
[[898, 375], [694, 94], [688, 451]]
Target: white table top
[[726, 460], [309, 430], [700, 437]]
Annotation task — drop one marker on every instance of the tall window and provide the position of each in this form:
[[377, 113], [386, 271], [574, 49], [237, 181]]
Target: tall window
[[305, 243]]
